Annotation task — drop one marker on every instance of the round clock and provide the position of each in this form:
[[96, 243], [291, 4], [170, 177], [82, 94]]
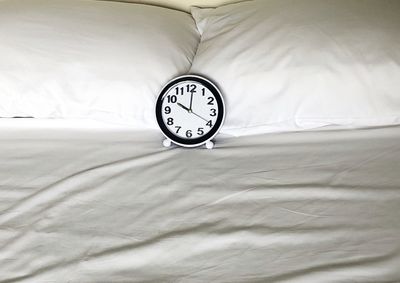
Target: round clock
[[190, 111]]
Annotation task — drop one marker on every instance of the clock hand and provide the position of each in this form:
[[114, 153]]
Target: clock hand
[[184, 107], [190, 111], [200, 116], [191, 100]]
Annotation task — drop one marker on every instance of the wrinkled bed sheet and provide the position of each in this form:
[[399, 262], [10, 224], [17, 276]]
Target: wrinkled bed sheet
[[79, 205]]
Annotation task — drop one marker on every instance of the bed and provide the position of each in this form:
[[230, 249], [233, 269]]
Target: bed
[[100, 205], [94, 200]]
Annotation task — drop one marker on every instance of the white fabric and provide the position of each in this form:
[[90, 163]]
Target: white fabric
[[115, 206], [183, 5], [287, 65], [90, 59], [35, 123]]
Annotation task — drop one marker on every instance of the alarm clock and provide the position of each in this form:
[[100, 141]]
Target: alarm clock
[[190, 111]]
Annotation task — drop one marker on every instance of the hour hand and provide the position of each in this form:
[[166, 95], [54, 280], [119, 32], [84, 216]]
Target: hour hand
[[184, 107]]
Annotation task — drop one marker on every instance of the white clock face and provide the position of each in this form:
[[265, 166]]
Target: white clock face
[[190, 110]]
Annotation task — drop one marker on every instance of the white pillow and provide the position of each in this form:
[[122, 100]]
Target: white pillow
[[90, 59], [287, 65]]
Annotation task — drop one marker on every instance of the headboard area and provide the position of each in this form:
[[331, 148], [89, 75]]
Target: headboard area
[[183, 5]]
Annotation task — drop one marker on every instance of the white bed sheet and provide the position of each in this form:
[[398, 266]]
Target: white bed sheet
[[52, 124], [112, 205]]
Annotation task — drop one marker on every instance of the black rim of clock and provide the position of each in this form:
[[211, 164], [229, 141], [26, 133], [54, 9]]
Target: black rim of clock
[[218, 122]]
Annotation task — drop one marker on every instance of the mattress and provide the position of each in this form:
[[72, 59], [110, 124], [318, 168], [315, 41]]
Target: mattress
[[112, 205]]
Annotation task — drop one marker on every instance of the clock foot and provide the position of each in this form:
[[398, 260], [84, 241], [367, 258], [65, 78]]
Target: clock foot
[[209, 145], [167, 143]]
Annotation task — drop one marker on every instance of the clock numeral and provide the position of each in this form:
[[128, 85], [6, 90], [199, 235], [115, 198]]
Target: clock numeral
[[191, 88], [167, 110], [214, 112], [200, 131], [203, 92], [170, 121], [210, 100], [172, 98], [189, 133], [209, 123], [178, 128], [179, 90]]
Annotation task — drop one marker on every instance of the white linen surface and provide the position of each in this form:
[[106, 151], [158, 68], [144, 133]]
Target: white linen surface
[[287, 65], [90, 59], [115, 206], [33, 123], [183, 5]]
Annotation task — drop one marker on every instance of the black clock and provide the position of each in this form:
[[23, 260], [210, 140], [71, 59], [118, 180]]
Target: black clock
[[190, 111]]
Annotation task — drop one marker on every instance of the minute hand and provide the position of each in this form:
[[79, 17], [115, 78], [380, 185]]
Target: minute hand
[[191, 101]]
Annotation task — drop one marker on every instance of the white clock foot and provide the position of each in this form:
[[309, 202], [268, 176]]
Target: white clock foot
[[167, 143], [209, 145]]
